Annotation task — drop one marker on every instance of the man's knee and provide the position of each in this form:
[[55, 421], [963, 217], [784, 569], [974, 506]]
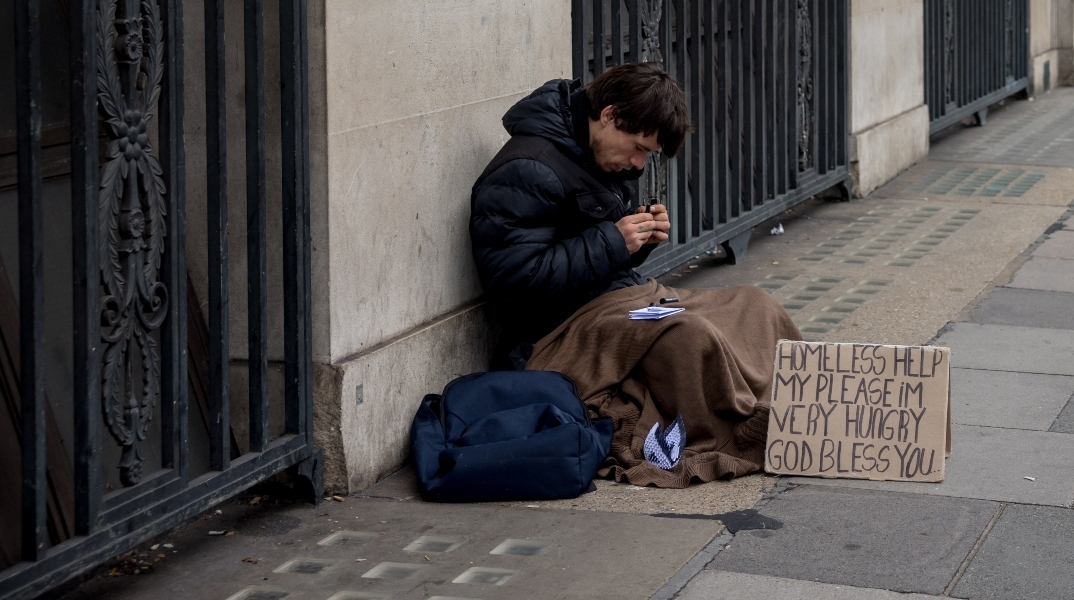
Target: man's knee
[[757, 296]]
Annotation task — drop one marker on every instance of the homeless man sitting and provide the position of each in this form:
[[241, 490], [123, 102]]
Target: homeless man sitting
[[555, 240]]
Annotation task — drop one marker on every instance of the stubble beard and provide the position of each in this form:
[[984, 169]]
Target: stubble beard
[[597, 147]]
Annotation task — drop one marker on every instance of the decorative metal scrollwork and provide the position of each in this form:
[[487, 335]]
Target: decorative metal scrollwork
[[804, 26], [129, 59], [1008, 41], [949, 95], [650, 13], [654, 186]]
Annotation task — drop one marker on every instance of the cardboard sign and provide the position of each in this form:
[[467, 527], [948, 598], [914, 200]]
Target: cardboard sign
[[863, 411]]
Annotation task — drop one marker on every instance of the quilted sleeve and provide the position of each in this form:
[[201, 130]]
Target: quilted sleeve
[[515, 223]]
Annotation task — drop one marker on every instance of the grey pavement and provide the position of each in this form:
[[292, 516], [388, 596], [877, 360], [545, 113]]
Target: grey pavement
[[411, 550], [972, 249]]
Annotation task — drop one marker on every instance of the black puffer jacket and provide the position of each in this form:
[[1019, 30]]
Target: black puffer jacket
[[543, 216]]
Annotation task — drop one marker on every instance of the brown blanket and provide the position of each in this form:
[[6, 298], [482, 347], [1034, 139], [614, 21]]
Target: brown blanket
[[712, 364]]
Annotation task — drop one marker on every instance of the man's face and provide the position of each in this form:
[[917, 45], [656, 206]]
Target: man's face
[[615, 150]]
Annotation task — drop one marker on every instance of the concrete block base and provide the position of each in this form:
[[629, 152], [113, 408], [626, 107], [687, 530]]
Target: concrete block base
[[1066, 66], [889, 148], [1046, 72], [364, 405]]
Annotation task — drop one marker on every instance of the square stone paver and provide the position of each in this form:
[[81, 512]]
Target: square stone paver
[[1039, 273], [348, 538], [1008, 399], [1026, 555], [863, 538], [485, 576], [394, 570], [1059, 244], [436, 544], [304, 566], [260, 593], [520, 547], [1026, 308], [1010, 348], [709, 585], [348, 595], [991, 464]]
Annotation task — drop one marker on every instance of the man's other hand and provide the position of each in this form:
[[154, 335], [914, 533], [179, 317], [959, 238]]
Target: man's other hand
[[661, 224], [643, 227]]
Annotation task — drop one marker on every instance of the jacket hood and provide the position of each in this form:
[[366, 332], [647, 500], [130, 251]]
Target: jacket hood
[[546, 113], [555, 111]]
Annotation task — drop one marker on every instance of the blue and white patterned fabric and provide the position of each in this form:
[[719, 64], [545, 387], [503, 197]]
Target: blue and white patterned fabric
[[663, 448]]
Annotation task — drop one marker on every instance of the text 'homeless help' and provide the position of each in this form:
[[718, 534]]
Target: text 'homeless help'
[[864, 411]]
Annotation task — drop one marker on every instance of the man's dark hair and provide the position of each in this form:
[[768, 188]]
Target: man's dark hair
[[646, 99]]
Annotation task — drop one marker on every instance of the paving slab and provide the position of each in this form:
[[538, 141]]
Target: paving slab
[[1008, 399], [1060, 244], [1039, 273], [1026, 308], [1009, 348], [1026, 555], [992, 464], [862, 538], [414, 550], [721, 585]]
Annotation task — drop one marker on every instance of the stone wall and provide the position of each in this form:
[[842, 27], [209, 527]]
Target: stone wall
[[889, 121], [412, 94], [1064, 18], [1051, 40]]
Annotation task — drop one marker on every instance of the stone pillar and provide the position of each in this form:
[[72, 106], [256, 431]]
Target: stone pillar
[[889, 121], [408, 98], [1065, 41], [1050, 45]]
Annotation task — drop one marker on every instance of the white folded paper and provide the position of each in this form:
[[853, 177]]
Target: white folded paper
[[654, 312]]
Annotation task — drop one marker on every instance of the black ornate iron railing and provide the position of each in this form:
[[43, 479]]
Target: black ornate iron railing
[[128, 247], [766, 81], [976, 54]]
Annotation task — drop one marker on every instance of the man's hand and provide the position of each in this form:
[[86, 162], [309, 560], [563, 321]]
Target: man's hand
[[661, 223], [643, 227]]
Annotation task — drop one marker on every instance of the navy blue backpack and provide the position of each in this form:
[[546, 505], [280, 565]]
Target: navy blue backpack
[[507, 435]]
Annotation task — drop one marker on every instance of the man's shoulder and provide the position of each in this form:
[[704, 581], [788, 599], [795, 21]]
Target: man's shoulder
[[530, 148]]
